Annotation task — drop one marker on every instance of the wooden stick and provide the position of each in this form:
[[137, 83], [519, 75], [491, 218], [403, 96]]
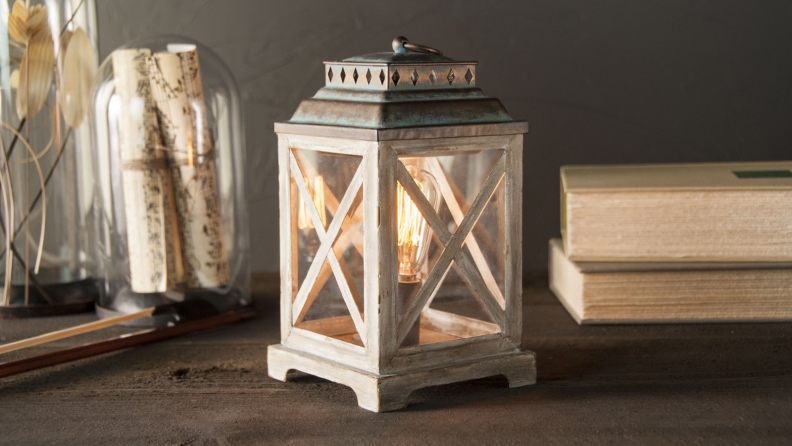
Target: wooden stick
[[126, 341], [74, 331]]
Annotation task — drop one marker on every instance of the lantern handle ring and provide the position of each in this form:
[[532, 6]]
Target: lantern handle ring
[[402, 45]]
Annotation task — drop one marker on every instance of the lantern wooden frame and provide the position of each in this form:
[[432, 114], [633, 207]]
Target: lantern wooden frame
[[382, 374]]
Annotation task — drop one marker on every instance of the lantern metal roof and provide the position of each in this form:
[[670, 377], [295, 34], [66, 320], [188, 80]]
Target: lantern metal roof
[[412, 87]]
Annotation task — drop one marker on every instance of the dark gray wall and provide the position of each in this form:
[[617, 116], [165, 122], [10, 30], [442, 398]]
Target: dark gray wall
[[632, 81]]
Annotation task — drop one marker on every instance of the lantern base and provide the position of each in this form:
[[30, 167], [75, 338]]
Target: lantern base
[[381, 393]]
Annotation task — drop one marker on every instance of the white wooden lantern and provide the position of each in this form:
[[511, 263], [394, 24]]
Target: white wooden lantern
[[401, 230]]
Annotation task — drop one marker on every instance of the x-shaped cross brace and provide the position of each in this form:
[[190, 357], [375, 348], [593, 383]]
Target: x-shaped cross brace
[[327, 238], [447, 190], [452, 247]]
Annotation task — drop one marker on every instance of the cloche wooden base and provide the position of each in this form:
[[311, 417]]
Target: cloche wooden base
[[381, 393]]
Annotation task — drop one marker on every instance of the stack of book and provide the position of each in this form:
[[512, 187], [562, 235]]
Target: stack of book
[[675, 243]]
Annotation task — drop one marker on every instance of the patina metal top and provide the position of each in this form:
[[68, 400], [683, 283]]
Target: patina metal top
[[414, 86], [409, 67]]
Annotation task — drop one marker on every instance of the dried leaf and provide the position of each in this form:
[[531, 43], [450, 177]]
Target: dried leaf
[[24, 23], [76, 78], [35, 74], [17, 22], [36, 17], [14, 79], [65, 38]]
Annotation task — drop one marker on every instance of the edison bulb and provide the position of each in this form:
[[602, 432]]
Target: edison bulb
[[303, 217], [304, 222], [414, 236]]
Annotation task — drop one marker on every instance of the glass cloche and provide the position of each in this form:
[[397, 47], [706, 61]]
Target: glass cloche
[[48, 57], [170, 165]]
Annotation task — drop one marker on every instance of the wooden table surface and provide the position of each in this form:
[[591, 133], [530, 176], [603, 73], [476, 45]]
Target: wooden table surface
[[653, 384]]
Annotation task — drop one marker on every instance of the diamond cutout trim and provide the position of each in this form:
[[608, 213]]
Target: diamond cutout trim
[[456, 76]]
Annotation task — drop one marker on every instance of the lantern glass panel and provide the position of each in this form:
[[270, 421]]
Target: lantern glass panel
[[457, 297], [334, 288], [456, 309], [306, 237], [490, 235]]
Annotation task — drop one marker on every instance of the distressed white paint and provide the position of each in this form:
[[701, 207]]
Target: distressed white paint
[[382, 374]]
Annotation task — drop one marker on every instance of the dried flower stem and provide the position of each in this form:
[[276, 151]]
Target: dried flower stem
[[66, 25], [38, 196], [9, 240], [8, 202], [43, 198], [46, 181], [9, 263], [31, 277], [16, 138]]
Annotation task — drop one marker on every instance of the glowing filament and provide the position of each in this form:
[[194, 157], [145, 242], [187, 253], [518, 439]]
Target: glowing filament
[[413, 235], [411, 222], [303, 217]]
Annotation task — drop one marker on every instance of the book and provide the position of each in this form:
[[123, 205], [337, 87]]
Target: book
[[721, 212], [640, 292]]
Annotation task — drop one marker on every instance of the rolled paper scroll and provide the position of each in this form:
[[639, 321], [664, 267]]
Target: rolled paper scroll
[[155, 262], [175, 79]]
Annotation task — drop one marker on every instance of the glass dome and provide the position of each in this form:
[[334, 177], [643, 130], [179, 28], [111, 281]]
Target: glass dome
[[48, 57], [170, 166]]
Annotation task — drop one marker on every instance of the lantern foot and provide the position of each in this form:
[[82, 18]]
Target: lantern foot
[[381, 393]]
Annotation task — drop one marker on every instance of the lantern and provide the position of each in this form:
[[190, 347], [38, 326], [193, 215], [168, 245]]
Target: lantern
[[400, 230]]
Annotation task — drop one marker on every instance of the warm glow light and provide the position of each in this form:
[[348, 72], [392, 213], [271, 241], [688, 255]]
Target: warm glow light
[[303, 217], [411, 223], [413, 236]]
